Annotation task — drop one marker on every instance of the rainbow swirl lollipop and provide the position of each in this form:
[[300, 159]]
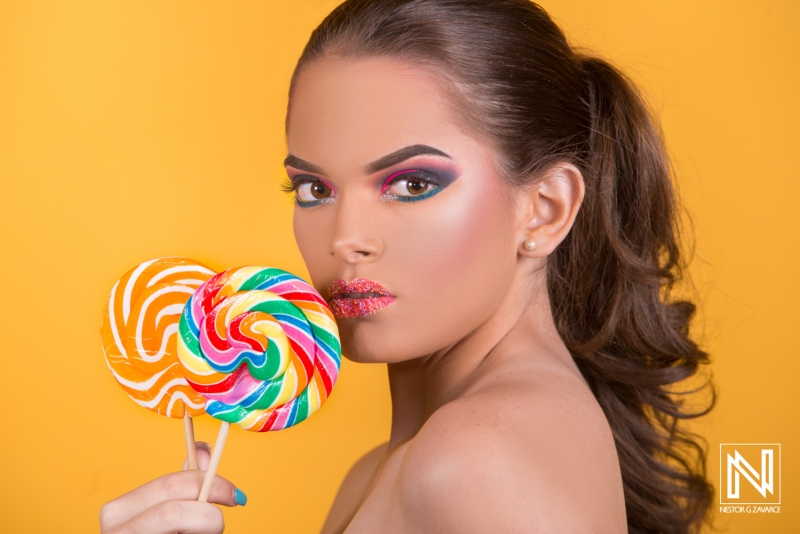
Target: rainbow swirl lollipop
[[139, 328], [261, 345]]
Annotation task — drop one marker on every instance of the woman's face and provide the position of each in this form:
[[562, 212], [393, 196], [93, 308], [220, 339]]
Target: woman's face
[[402, 217]]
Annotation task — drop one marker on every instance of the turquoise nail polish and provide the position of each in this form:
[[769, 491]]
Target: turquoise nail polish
[[239, 497]]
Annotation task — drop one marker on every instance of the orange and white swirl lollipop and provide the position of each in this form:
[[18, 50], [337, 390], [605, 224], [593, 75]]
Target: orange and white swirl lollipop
[[139, 331]]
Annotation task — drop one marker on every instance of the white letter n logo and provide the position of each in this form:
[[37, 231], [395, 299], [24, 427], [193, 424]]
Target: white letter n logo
[[737, 465]]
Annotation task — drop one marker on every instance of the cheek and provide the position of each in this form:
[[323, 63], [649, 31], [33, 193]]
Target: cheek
[[460, 239], [455, 241], [454, 264], [313, 241]]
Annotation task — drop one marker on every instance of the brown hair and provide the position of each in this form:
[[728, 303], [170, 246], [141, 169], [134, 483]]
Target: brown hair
[[540, 102]]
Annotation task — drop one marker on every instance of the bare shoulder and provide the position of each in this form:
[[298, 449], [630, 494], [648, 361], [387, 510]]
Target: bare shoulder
[[519, 455], [352, 491]]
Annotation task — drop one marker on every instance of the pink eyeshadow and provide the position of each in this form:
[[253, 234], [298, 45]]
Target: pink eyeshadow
[[390, 178]]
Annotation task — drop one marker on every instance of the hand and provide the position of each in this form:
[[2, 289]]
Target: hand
[[169, 505]]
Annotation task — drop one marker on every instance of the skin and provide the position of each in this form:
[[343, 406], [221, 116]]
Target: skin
[[493, 427], [168, 504]]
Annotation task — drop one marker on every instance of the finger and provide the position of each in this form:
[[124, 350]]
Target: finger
[[173, 517], [199, 445], [203, 457], [183, 485]]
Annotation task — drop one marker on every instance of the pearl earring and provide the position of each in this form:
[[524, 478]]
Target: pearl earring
[[530, 245]]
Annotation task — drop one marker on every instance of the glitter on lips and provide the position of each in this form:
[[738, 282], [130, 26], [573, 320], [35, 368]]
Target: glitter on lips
[[358, 298]]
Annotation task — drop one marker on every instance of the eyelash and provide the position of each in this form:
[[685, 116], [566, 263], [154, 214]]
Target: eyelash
[[292, 185]]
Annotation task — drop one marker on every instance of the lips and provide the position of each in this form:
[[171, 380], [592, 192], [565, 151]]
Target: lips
[[357, 298]]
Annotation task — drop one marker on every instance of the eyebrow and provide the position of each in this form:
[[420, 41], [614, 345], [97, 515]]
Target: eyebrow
[[401, 155], [394, 158], [303, 165]]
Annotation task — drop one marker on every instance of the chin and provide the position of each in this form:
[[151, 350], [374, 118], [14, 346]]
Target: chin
[[360, 343], [364, 340]]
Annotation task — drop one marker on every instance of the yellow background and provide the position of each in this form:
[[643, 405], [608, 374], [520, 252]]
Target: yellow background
[[131, 130]]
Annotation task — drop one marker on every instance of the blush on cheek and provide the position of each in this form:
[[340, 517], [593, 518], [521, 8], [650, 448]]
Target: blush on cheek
[[468, 237], [451, 263]]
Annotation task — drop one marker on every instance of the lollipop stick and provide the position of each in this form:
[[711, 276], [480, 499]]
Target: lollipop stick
[[188, 430], [214, 463]]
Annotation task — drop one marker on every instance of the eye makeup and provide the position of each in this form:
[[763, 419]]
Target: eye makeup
[[310, 187], [407, 185], [393, 187]]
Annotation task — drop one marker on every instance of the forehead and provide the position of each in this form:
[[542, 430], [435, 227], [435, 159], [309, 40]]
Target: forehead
[[349, 111]]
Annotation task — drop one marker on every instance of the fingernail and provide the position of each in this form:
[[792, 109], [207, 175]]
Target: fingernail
[[239, 497], [203, 445]]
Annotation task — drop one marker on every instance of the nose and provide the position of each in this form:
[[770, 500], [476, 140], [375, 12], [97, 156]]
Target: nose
[[354, 239]]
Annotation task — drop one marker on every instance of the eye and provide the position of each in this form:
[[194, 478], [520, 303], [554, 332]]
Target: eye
[[410, 186], [308, 191], [312, 191]]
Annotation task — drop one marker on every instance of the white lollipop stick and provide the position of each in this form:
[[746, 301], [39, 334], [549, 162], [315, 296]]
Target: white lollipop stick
[[188, 430], [214, 463]]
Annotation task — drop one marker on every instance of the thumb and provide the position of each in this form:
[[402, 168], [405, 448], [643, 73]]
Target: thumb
[[203, 453]]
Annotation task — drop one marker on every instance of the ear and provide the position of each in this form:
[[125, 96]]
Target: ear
[[549, 210]]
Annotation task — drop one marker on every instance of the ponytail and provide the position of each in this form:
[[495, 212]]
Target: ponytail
[[519, 83], [611, 282]]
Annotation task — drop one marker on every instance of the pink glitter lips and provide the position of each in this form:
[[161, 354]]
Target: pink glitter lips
[[358, 298]]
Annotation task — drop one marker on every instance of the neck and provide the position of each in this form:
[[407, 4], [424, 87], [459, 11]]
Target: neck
[[522, 326]]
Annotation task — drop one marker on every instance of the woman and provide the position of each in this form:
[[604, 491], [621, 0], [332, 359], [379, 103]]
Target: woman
[[491, 214]]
